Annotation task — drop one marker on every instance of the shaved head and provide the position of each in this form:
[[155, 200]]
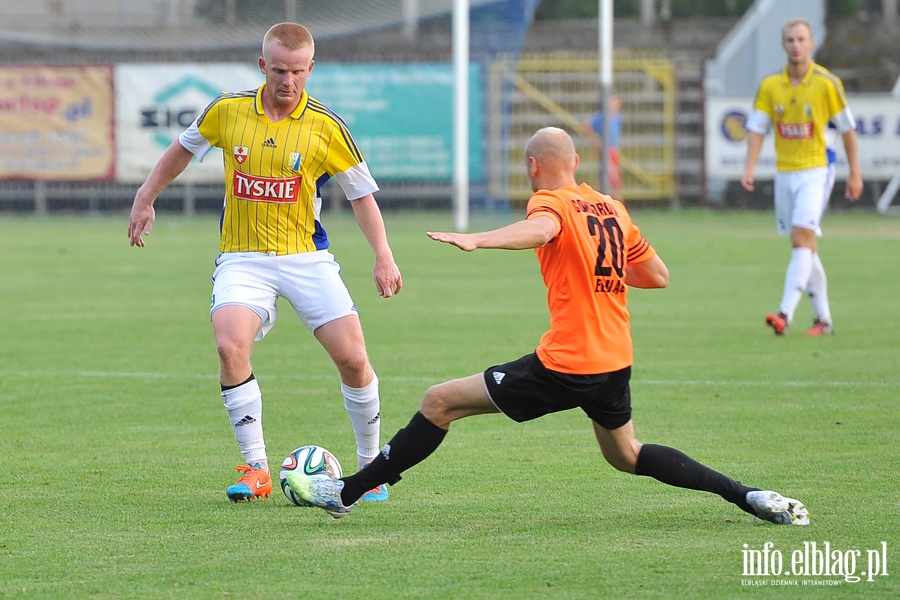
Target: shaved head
[[550, 145], [550, 159], [290, 36]]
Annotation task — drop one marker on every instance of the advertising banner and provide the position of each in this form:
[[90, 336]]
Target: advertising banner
[[401, 116], [56, 123], [155, 102], [877, 132]]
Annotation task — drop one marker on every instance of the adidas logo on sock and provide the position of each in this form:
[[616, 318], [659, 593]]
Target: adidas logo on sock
[[375, 420], [245, 421], [269, 143], [498, 376]]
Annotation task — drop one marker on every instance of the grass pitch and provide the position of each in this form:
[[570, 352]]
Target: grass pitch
[[117, 450]]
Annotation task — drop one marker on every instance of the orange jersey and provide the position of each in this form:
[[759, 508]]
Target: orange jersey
[[584, 271]]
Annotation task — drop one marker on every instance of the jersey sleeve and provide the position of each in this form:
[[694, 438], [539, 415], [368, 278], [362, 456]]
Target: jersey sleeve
[[203, 133], [542, 204], [763, 102], [758, 122], [194, 142], [356, 181], [639, 249]]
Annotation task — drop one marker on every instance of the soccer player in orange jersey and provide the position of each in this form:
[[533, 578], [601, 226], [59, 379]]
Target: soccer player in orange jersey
[[590, 253], [798, 104], [281, 146]]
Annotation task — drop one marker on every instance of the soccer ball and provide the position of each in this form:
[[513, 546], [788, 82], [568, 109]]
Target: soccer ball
[[311, 460]]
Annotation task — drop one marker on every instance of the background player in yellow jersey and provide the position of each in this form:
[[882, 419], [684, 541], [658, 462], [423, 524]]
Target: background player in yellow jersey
[[589, 252], [280, 147], [798, 103]]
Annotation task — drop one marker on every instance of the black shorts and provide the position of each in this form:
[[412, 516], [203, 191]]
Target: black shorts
[[525, 389]]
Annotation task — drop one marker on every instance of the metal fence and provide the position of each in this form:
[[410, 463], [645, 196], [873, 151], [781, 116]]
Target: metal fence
[[563, 91]]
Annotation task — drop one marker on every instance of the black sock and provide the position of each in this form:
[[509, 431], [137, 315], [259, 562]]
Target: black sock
[[409, 446], [676, 468], [231, 387]]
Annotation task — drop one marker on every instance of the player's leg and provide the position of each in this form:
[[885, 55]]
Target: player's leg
[[243, 310], [675, 468], [235, 328], [615, 174], [796, 278], [311, 282], [817, 289], [343, 339], [668, 465], [441, 405], [808, 191], [798, 198]]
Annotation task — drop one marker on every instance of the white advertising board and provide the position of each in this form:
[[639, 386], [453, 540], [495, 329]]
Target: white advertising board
[[877, 131], [156, 102]]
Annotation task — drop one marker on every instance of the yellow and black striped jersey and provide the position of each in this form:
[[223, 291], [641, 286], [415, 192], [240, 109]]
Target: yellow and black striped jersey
[[274, 171], [799, 115]]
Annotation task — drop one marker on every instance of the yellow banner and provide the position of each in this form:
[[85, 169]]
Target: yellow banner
[[56, 123]]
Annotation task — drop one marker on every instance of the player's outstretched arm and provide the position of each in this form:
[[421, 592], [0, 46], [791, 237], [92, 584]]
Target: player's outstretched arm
[[175, 160], [522, 235], [386, 272]]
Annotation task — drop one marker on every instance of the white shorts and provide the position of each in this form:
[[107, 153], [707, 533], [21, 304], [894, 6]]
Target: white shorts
[[801, 198], [310, 281]]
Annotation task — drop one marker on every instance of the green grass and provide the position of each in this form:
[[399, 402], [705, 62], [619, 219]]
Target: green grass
[[117, 451]]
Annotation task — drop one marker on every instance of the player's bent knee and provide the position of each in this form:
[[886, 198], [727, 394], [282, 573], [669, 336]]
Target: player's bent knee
[[436, 406]]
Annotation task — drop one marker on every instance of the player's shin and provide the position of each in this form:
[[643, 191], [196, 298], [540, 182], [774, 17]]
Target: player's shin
[[409, 446], [675, 468], [244, 405], [364, 409]]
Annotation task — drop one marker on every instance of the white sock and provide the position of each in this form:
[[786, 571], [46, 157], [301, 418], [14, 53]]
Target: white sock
[[364, 408], [244, 406], [818, 290], [795, 280]]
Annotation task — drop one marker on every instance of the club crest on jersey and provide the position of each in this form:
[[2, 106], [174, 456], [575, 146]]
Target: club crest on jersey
[[779, 109], [807, 110], [240, 154], [280, 190], [295, 160]]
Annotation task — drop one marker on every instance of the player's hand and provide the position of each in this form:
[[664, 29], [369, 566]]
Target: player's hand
[[141, 223], [854, 188], [387, 277], [463, 241], [747, 180]]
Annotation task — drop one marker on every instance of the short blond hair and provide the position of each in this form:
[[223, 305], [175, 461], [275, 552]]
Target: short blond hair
[[793, 23], [291, 36]]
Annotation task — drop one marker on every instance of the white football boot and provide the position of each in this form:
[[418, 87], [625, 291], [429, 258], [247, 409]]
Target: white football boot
[[775, 508]]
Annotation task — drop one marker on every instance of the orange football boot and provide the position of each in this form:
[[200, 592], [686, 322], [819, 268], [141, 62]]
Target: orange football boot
[[254, 483]]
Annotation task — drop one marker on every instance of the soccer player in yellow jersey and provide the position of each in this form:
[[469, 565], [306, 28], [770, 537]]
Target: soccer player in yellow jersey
[[281, 146], [798, 104], [590, 252]]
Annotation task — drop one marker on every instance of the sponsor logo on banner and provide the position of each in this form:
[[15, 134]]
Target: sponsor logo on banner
[[734, 126], [795, 131], [240, 154], [281, 190]]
